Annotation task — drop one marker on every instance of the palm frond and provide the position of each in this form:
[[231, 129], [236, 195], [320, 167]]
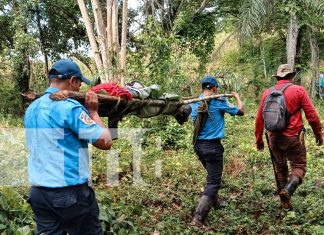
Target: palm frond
[[315, 6], [314, 10], [252, 17]]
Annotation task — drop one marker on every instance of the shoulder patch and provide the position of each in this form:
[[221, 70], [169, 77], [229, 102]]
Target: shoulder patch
[[229, 104], [84, 117], [222, 98]]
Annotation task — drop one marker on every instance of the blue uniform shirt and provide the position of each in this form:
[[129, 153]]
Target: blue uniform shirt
[[57, 136], [215, 123], [322, 80]]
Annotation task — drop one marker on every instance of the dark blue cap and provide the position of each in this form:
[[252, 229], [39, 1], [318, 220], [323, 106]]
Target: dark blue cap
[[65, 69], [209, 81]]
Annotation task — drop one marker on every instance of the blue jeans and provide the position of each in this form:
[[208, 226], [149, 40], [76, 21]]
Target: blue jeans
[[59, 211], [210, 153]]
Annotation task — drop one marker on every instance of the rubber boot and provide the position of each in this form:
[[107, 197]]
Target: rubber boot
[[219, 203], [288, 191], [281, 186], [203, 208]]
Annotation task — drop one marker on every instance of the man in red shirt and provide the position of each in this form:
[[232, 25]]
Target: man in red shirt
[[289, 145]]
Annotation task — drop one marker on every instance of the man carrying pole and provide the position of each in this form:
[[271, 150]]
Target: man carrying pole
[[57, 136], [280, 114], [208, 117]]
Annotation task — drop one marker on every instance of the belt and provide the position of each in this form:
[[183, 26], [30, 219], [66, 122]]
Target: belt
[[78, 186], [210, 140]]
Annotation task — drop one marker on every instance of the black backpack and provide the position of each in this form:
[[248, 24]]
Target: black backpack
[[275, 114]]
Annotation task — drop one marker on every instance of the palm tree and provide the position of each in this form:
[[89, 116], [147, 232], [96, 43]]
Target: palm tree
[[314, 18], [257, 16]]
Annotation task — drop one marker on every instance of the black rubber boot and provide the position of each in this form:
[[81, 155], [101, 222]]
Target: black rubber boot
[[219, 203], [203, 208], [282, 185], [288, 191]]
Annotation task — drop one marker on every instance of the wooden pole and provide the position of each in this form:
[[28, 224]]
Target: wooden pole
[[61, 95], [190, 101]]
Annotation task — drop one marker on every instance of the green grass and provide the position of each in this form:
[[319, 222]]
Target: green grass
[[166, 203]]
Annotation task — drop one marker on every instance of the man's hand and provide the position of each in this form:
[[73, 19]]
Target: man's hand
[[236, 95], [91, 102], [319, 140], [239, 104], [318, 136], [260, 146]]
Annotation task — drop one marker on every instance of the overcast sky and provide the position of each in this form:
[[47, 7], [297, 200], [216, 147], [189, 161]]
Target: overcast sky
[[133, 3]]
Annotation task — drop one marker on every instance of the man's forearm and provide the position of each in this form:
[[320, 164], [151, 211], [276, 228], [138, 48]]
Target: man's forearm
[[105, 141], [316, 126], [240, 106], [95, 117]]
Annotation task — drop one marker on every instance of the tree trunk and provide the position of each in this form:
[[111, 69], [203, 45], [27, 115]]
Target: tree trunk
[[110, 59], [123, 42], [101, 32], [115, 25], [109, 25], [21, 63], [170, 16], [315, 61], [91, 35], [217, 51], [23, 72], [153, 9], [41, 39], [109, 38], [263, 59], [292, 34], [202, 6], [115, 38]]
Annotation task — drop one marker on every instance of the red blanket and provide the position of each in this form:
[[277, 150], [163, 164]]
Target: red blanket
[[113, 89]]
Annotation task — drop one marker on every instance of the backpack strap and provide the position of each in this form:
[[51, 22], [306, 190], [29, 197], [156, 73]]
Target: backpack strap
[[203, 113], [273, 88], [284, 87]]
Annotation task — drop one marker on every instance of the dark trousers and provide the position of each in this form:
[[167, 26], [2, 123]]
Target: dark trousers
[[290, 149], [72, 210], [210, 153]]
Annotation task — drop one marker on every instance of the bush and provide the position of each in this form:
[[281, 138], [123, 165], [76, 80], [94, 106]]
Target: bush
[[10, 100]]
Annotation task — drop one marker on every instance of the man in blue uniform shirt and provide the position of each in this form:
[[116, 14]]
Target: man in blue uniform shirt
[[57, 136], [208, 146], [322, 84]]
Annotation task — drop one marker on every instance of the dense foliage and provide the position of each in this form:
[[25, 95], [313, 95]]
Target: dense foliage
[[167, 201], [172, 43]]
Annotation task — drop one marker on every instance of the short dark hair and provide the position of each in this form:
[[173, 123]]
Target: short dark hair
[[53, 72], [54, 78], [289, 76]]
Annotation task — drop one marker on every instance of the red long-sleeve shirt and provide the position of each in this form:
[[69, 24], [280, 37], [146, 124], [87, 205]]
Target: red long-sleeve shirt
[[296, 99]]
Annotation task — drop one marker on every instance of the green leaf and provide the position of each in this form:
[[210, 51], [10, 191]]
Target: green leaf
[[23, 231], [319, 229], [103, 216], [3, 226]]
